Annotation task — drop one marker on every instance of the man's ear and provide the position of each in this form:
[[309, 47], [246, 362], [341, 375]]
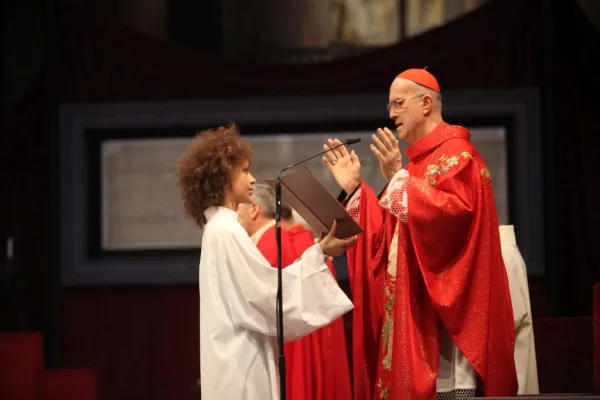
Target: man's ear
[[255, 210], [427, 103]]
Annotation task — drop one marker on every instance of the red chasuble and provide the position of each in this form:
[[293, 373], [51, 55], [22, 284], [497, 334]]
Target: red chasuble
[[317, 365], [437, 219]]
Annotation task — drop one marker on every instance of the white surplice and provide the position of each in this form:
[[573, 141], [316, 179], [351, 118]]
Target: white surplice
[[238, 289], [456, 377], [525, 360]]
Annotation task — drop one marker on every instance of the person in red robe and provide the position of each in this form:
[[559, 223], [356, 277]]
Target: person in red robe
[[317, 365], [332, 339], [433, 315]]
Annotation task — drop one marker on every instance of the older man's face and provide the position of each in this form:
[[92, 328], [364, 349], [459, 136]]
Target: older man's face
[[404, 108]]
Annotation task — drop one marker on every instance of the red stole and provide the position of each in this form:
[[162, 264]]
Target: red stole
[[317, 364], [449, 273], [267, 244]]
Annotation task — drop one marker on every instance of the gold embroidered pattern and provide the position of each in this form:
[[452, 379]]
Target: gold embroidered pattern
[[387, 333], [445, 163], [485, 173], [432, 169], [389, 306], [384, 392]]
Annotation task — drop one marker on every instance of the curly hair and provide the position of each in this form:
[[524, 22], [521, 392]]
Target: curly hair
[[205, 169]]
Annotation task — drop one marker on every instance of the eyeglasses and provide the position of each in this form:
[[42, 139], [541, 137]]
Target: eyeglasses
[[396, 104]]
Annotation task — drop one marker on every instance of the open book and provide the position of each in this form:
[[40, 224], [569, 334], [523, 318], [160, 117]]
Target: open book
[[305, 194]]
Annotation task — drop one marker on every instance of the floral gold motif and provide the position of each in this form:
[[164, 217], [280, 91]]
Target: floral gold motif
[[448, 163], [432, 169], [385, 392], [445, 163], [485, 173]]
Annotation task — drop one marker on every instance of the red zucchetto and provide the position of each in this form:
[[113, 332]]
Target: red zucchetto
[[422, 77]]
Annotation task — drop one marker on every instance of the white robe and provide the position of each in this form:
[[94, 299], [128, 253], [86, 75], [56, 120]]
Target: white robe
[[525, 360], [238, 328]]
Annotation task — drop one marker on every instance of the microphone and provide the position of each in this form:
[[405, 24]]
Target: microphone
[[279, 306], [344, 143]]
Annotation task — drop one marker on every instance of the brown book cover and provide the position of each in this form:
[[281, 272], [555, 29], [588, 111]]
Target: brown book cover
[[307, 195]]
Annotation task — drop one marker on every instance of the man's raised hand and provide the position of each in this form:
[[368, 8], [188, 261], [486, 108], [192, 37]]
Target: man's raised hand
[[387, 151], [344, 166]]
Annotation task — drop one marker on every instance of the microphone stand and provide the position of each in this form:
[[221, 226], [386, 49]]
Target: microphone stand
[[279, 305]]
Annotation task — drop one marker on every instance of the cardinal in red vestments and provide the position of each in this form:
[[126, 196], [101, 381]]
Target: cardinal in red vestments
[[433, 315], [316, 365]]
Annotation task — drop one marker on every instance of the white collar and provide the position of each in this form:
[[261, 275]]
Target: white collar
[[258, 234], [212, 212]]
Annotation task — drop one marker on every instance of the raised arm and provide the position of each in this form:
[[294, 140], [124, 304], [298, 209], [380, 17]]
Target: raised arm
[[365, 266], [311, 296]]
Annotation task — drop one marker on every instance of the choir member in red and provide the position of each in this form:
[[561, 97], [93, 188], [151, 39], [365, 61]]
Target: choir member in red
[[332, 339]]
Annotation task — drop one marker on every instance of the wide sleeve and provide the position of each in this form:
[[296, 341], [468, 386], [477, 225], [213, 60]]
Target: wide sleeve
[[365, 267], [366, 271], [311, 296]]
